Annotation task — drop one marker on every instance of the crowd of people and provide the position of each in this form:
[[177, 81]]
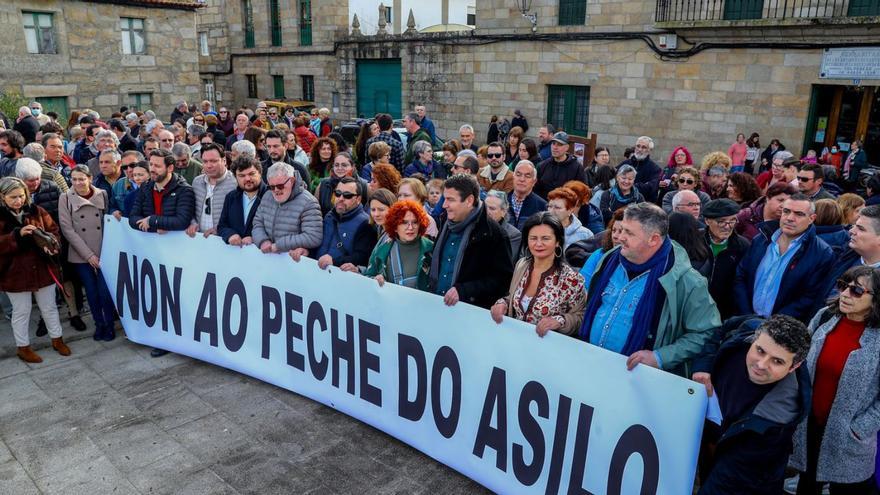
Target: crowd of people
[[752, 272]]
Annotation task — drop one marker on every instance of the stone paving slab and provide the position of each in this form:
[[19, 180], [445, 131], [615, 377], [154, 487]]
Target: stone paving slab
[[112, 420]]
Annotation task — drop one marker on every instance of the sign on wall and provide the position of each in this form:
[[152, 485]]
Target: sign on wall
[[850, 63]]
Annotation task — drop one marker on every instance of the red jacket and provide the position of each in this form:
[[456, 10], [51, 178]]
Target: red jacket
[[305, 138]]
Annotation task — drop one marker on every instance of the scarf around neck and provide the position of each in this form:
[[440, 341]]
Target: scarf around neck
[[644, 316]]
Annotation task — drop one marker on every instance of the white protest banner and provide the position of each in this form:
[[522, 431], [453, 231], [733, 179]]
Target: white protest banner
[[513, 411]]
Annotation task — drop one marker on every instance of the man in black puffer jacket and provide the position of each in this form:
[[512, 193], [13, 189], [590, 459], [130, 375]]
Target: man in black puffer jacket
[[166, 202]]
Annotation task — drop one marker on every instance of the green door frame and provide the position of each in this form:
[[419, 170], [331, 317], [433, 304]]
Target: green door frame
[[379, 87], [57, 104]]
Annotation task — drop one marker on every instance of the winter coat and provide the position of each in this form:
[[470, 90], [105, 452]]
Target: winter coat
[[858, 163], [232, 219], [843, 458], [46, 198], [82, 223], [305, 137], [293, 224], [609, 203], [378, 264], [802, 282], [553, 174], [503, 181], [432, 170], [647, 177], [348, 238], [23, 266], [591, 217], [52, 174], [752, 452], [531, 205], [485, 270], [836, 236], [515, 238], [575, 232], [749, 219], [420, 135], [722, 271], [689, 315], [326, 188], [178, 205], [843, 261], [560, 295], [224, 186], [28, 127]]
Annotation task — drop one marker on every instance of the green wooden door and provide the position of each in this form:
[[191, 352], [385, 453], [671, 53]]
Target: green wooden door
[[742, 9], [57, 104], [379, 87], [568, 108], [863, 7]]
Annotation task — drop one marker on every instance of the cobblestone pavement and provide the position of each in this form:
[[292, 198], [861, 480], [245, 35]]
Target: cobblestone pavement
[[111, 419]]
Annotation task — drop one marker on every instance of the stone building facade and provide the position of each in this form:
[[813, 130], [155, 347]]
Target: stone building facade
[[724, 71], [101, 55]]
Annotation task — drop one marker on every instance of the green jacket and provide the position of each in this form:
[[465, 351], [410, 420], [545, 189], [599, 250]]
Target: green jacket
[[379, 261], [420, 135], [689, 316]]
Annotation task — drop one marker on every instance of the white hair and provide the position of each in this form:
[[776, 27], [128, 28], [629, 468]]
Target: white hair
[[466, 152], [245, 148], [152, 124], [132, 117], [280, 169], [526, 162], [34, 151], [466, 127], [647, 140], [104, 133], [113, 153], [28, 169], [680, 196]]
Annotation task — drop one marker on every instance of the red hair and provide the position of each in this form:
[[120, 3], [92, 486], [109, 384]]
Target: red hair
[[688, 160], [570, 197], [398, 210], [583, 191], [386, 176]]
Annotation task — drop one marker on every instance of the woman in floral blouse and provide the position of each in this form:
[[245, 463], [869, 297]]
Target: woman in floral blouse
[[544, 290]]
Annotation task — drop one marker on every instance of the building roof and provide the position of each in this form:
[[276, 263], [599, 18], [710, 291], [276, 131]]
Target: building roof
[[169, 4]]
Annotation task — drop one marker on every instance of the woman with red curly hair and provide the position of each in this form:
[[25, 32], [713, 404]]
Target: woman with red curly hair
[[406, 258], [384, 177]]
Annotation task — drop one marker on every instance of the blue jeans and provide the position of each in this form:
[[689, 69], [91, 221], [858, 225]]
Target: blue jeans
[[97, 294]]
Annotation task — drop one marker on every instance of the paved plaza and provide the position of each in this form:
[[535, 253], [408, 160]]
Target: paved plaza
[[111, 419]]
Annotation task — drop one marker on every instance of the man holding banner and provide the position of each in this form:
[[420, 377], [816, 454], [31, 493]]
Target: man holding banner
[[645, 300], [763, 393]]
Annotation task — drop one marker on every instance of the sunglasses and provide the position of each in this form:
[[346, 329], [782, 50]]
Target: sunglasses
[[689, 182], [279, 187], [804, 179], [208, 205], [344, 194], [855, 290], [126, 167], [494, 155]]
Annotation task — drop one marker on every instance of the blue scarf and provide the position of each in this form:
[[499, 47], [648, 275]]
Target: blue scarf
[[643, 318], [615, 191]]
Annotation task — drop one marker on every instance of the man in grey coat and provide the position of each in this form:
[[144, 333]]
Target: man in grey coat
[[289, 219], [210, 190]]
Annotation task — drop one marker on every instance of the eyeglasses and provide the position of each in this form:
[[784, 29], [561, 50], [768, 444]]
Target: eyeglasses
[[692, 205], [728, 224], [344, 194], [689, 182], [171, 140], [408, 223], [855, 290], [494, 155], [279, 187], [208, 205], [804, 179], [223, 111]]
